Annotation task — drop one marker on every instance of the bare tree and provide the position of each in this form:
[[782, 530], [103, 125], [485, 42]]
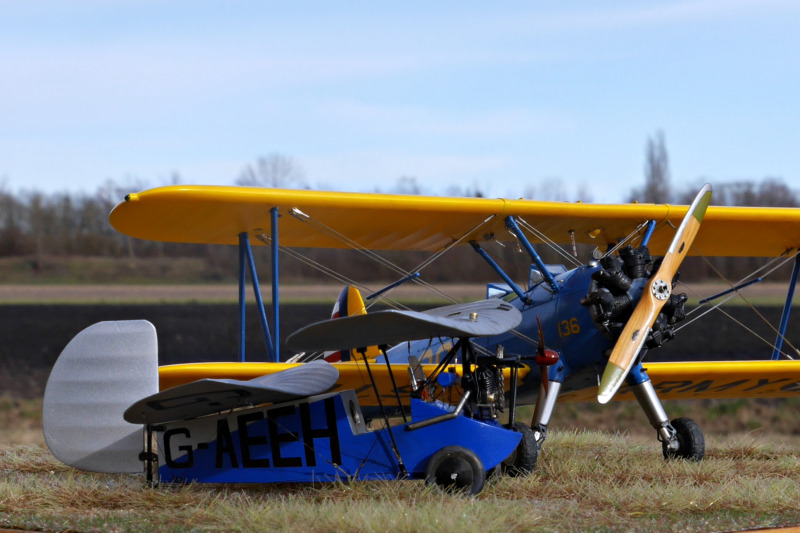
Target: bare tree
[[274, 171], [770, 192], [464, 192], [773, 192], [656, 173], [553, 189], [406, 185]]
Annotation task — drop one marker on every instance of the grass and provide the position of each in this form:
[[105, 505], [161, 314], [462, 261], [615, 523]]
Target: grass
[[585, 480]]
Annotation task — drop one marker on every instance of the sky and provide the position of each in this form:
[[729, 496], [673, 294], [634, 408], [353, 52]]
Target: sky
[[543, 99]]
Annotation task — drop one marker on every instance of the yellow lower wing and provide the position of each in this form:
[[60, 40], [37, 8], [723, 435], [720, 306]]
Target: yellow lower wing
[[702, 380], [672, 381], [352, 375]]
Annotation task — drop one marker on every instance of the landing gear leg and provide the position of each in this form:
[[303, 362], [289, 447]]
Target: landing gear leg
[[681, 438], [544, 411]]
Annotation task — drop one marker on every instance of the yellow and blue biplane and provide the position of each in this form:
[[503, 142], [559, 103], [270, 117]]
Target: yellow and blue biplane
[[484, 358]]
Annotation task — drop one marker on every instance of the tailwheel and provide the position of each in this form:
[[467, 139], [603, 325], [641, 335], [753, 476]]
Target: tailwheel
[[456, 469], [690, 443], [523, 459]]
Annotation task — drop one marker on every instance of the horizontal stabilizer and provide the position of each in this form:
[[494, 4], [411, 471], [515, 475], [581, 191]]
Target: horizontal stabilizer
[[475, 319], [99, 373], [209, 396]]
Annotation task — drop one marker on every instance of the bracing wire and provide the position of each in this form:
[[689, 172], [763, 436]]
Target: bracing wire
[[630, 237], [547, 240], [782, 260], [341, 278], [320, 226]]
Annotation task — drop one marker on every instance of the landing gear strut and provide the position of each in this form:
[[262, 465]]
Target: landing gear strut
[[681, 438]]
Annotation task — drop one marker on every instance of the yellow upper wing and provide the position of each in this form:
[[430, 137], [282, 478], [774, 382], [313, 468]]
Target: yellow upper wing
[[216, 215]]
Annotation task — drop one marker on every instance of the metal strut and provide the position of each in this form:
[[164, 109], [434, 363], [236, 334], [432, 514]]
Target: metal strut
[[276, 306], [246, 260], [391, 286], [400, 465], [646, 395], [511, 224], [651, 226], [787, 308], [516, 288], [648, 400], [383, 348]]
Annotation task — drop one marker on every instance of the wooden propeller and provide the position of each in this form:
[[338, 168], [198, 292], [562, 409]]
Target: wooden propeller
[[656, 294]]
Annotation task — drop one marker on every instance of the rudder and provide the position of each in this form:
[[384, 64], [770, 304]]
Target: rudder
[[103, 370]]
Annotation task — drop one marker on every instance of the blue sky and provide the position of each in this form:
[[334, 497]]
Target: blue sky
[[512, 98]]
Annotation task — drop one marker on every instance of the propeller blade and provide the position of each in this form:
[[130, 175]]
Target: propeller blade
[[541, 354], [656, 294]]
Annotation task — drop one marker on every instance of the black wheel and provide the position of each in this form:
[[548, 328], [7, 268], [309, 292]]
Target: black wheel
[[691, 443], [456, 469], [523, 459]]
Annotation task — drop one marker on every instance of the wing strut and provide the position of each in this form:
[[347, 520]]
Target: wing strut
[[512, 226], [276, 306], [396, 450], [246, 262], [492, 263], [787, 307], [651, 226]]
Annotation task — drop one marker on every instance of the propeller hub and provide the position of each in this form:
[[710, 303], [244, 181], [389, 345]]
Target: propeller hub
[[661, 289], [547, 357]]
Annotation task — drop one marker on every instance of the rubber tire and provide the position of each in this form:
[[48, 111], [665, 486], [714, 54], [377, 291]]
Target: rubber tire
[[455, 469], [523, 459], [692, 443]]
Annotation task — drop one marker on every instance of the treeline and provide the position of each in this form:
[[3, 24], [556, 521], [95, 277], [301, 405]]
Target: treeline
[[33, 223]]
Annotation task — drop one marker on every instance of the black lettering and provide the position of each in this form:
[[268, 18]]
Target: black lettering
[[668, 386], [189, 462], [729, 386], [330, 432], [225, 444], [698, 387], [764, 382], [791, 387], [246, 440], [275, 438]]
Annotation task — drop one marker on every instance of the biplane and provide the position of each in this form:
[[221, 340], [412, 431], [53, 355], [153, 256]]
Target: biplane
[[581, 335]]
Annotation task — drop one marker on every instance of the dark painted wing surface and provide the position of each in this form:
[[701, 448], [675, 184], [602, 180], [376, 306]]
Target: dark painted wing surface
[[475, 319], [208, 396]]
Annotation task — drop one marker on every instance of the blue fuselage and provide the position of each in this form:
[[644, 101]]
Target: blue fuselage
[[568, 329]]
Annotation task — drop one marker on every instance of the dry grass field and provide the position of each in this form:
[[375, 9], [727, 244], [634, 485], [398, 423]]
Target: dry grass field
[[611, 478], [585, 481]]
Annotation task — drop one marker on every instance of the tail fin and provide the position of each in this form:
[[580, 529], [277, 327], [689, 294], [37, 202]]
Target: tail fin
[[349, 303], [102, 371]]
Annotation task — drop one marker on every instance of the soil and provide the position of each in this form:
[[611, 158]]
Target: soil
[[35, 335]]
